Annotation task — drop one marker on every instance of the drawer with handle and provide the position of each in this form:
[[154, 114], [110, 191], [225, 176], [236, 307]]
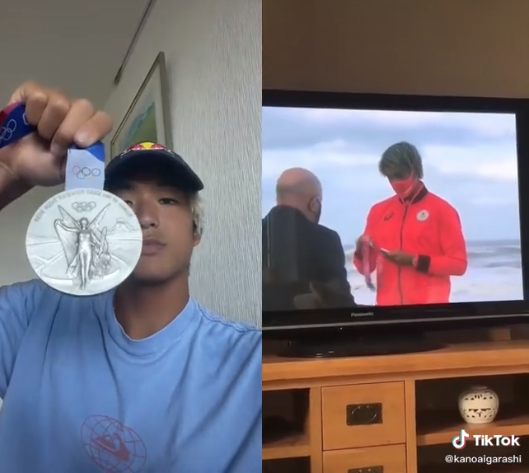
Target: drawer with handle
[[366, 415], [390, 459]]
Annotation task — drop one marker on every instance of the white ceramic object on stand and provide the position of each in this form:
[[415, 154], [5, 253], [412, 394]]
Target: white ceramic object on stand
[[478, 405]]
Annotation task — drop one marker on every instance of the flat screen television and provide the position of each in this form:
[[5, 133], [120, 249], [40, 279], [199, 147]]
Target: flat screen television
[[386, 216]]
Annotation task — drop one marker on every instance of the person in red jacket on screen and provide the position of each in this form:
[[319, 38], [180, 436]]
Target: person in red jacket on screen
[[413, 240]]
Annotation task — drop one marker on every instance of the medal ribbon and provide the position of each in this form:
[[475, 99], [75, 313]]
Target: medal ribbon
[[85, 168], [366, 256]]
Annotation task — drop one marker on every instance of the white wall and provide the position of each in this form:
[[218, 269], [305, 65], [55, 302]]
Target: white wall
[[213, 55]]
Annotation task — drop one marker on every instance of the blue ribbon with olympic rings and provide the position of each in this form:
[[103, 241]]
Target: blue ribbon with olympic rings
[[85, 168]]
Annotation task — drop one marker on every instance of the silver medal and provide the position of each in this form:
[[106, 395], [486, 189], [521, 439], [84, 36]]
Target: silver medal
[[84, 242]]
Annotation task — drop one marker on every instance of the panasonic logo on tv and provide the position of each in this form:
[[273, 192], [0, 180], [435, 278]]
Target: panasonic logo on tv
[[362, 314]]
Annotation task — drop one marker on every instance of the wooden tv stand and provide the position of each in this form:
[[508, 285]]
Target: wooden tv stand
[[408, 410]]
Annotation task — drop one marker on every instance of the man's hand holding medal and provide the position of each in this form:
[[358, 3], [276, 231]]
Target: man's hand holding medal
[[82, 241]]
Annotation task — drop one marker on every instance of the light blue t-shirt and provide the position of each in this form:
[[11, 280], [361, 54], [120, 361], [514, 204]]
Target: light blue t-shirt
[[80, 396]]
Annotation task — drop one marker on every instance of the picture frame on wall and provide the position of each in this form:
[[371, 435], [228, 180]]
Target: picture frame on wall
[[148, 117]]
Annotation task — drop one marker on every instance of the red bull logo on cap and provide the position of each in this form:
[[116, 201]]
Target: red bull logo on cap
[[146, 145]]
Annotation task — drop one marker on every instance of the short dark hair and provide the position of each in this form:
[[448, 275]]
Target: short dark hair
[[401, 159]]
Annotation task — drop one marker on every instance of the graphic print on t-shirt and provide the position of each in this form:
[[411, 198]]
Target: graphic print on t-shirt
[[112, 446]]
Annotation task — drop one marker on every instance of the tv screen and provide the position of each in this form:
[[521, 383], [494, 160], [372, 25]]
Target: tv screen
[[385, 207]]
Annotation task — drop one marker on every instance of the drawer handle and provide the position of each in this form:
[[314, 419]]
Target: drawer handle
[[367, 469], [364, 414]]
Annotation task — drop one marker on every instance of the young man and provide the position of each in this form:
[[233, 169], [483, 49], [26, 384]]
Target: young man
[[141, 379], [416, 236]]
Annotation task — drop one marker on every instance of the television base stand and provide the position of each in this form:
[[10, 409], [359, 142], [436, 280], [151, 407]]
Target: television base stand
[[393, 414], [359, 346]]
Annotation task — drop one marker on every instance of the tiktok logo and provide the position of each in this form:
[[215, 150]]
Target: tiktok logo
[[459, 441]]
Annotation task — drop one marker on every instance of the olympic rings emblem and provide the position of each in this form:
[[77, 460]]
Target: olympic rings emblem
[[83, 173], [84, 206], [6, 132]]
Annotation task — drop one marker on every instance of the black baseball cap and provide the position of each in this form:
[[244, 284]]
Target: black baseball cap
[[149, 156]]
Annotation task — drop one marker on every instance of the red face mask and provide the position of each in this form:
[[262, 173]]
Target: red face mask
[[403, 187]]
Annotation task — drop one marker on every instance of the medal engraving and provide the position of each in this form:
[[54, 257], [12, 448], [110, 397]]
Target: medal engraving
[[84, 242]]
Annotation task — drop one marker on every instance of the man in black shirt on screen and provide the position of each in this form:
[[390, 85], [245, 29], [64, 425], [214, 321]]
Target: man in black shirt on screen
[[303, 261]]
